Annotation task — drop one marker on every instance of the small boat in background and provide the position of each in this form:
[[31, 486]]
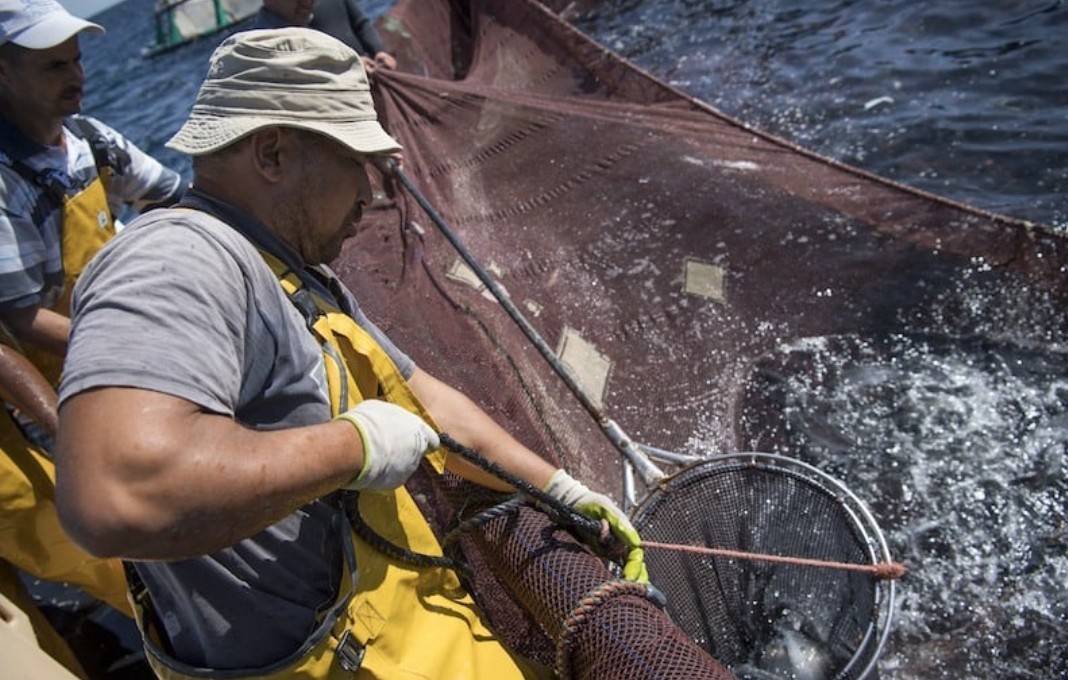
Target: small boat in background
[[178, 22]]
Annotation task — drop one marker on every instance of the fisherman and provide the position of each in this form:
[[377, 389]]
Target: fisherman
[[63, 177], [224, 452], [342, 19]]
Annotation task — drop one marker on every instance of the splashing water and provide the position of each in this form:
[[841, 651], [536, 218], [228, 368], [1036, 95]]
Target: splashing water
[[959, 445]]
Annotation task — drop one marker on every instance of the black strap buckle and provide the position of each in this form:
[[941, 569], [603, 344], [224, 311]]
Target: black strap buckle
[[349, 653], [305, 304]]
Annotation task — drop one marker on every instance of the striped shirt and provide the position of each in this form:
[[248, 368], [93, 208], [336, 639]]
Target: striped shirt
[[31, 262]]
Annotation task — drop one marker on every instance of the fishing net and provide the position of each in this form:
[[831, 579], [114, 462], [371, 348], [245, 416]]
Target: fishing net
[[659, 246], [600, 627], [768, 619]]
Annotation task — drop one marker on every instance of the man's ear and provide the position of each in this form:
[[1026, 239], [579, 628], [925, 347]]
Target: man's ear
[[270, 152]]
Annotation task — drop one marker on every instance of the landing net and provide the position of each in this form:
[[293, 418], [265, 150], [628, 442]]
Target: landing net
[[767, 619]]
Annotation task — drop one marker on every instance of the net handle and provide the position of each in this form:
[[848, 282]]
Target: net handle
[[886, 571]]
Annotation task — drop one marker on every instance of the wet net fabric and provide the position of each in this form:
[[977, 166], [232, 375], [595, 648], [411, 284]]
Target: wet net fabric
[[662, 248], [619, 636], [763, 619]]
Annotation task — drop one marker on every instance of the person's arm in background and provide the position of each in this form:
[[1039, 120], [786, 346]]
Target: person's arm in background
[[37, 326], [23, 386], [31, 270], [369, 39]]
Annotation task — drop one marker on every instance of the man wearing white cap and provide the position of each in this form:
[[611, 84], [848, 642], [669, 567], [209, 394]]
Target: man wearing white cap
[[62, 178], [227, 408]]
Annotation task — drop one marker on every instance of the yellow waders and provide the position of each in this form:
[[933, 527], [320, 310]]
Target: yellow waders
[[31, 537], [87, 226], [394, 621]]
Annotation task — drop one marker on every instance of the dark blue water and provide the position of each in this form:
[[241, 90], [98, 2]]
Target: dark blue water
[[962, 98]]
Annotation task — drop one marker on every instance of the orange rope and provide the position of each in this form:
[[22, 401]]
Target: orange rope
[[881, 570]]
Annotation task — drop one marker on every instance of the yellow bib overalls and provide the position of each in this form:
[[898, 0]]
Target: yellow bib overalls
[[391, 620], [31, 537]]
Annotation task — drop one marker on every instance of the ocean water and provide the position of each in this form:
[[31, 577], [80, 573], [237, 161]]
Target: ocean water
[[961, 98], [958, 444]]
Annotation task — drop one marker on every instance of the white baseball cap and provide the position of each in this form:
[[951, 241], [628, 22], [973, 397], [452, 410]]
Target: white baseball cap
[[39, 24]]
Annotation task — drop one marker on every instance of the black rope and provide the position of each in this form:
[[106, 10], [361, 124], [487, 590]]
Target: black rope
[[482, 518], [390, 549], [589, 529], [560, 512]]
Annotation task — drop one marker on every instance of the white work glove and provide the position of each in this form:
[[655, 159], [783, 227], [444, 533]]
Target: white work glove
[[394, 441], [571, 492]]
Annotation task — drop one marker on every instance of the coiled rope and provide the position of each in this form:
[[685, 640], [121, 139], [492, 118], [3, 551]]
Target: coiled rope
[[586, 606]]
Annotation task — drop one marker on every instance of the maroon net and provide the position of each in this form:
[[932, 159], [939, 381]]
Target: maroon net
[[660, 246], [601, 628]]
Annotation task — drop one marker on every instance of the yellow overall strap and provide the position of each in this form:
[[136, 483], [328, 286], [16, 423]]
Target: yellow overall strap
[[357, 368], [404, 621], [87, 226], [408, 621]]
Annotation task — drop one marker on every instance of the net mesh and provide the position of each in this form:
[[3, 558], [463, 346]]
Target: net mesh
[[623, 636], [763, 618]]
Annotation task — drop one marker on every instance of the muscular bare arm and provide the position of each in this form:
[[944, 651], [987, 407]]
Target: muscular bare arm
[[145, 475], [462, 419], [23, 386], [40, 327]]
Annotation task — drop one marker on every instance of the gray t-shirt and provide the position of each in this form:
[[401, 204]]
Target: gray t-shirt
[[182, 303]]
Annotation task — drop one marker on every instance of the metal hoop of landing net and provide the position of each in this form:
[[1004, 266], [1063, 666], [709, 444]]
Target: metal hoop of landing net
[[765, 619]]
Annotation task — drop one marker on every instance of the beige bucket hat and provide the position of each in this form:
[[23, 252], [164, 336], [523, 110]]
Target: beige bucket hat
[[289, 77]]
